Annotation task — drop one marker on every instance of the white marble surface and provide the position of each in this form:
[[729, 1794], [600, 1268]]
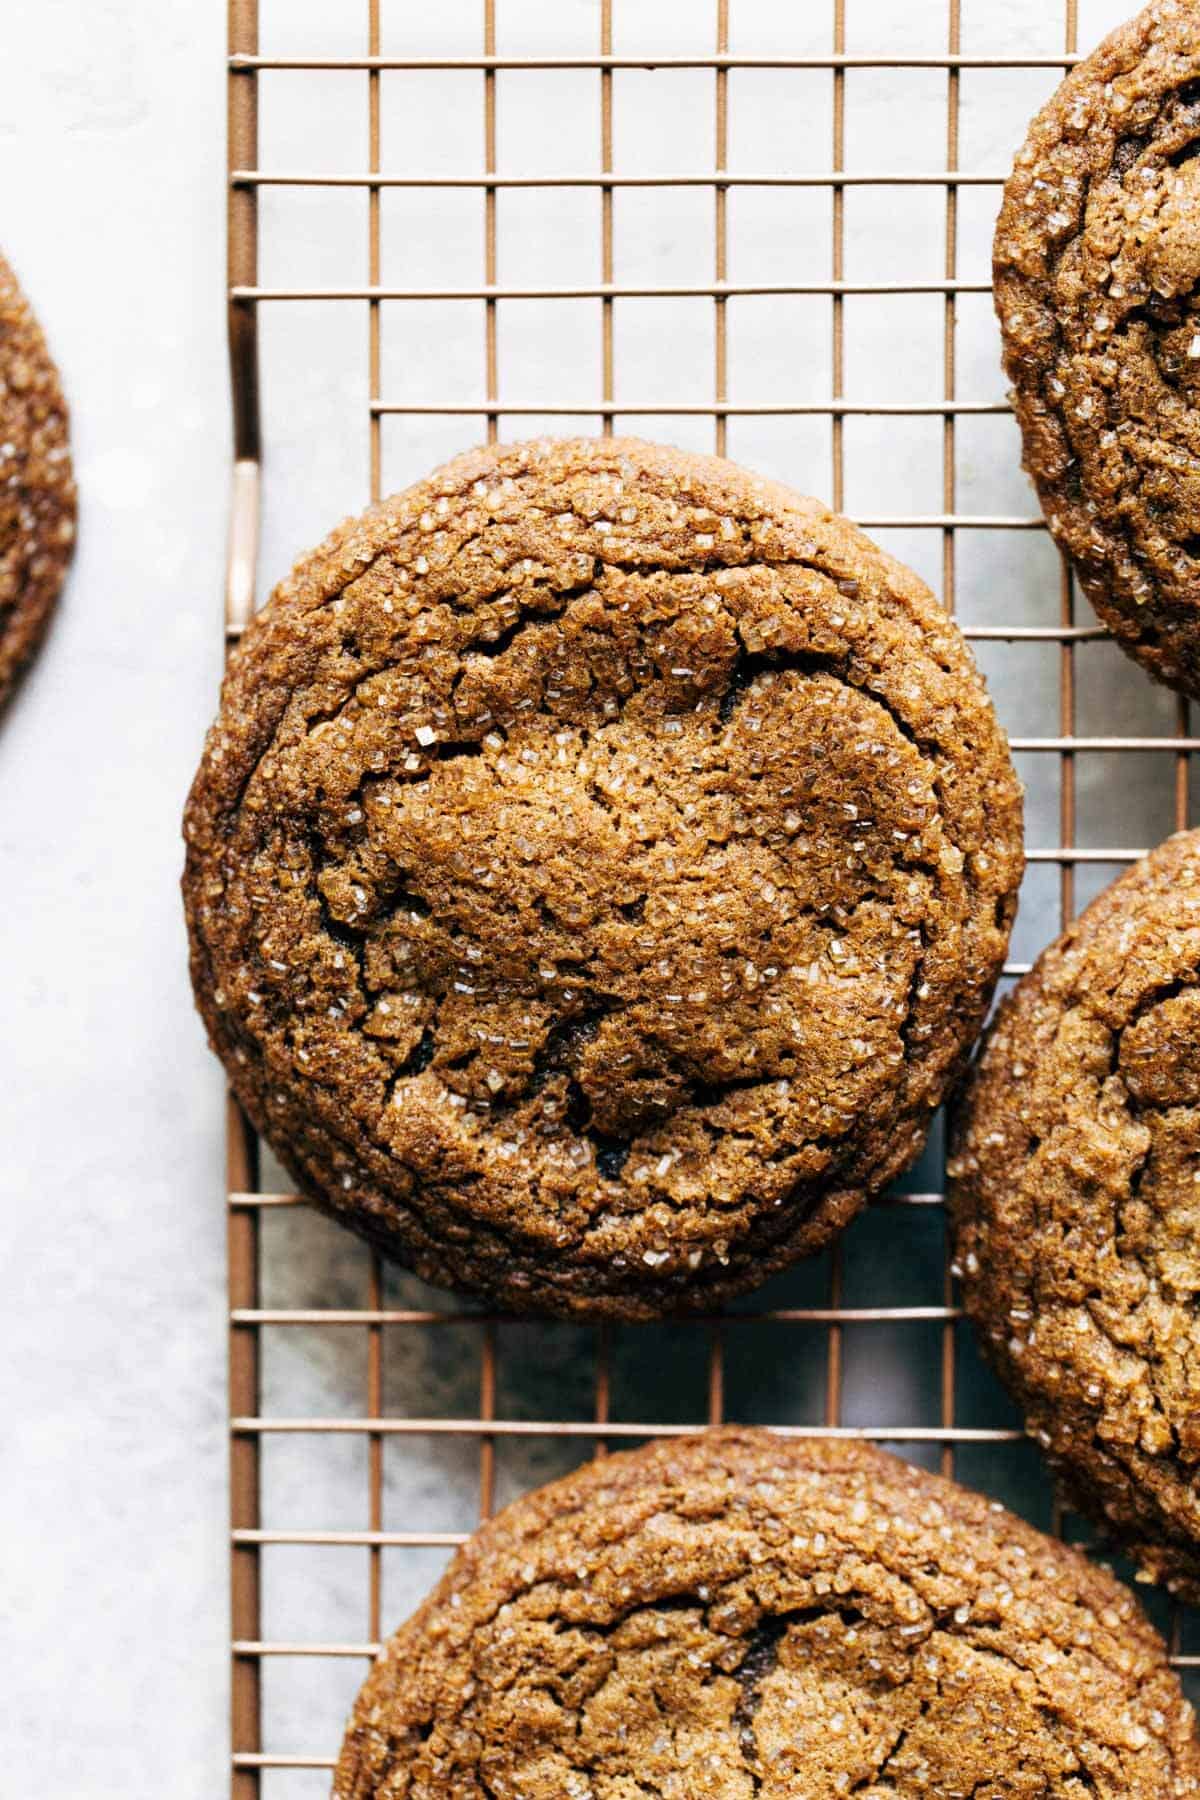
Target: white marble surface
[[113, 1506], [112, 1501]]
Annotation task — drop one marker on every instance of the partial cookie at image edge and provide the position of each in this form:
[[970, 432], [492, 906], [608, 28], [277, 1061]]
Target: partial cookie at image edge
[[736, 1612], [1073, 1199], [1096, 262], [37, 489]]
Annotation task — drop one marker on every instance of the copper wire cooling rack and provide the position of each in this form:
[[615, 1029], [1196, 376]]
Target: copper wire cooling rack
[[373, 1420]]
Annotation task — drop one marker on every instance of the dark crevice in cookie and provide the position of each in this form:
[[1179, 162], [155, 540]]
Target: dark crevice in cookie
[[1156, 996], [611, 1154], [1185, 154], [492, 647], [710, 1093], [578, 1109], [485, 646], [341, 933], [748, 665], [420, 1056], [447, 748], [346, 938], [405, 899], [761, 1656], [1128, 151], [558, 1056], [560, 1050], [884, 1762], [915, 983], [1157, 312], [699, 565], [740, 677], [325, 715]]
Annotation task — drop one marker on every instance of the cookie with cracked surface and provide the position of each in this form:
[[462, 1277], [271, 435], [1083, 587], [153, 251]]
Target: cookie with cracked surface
[[1075, 1197], [598, 870], [37, 491], [735, 1614], [1097, 284]]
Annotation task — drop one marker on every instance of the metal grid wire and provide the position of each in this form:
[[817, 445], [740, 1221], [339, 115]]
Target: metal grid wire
[[804, 1356]]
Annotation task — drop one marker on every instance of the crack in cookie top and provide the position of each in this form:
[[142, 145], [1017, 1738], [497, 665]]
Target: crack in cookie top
[[1077, 1206], [37, 491], [735, 1615], [1097, 266], [601, 862]]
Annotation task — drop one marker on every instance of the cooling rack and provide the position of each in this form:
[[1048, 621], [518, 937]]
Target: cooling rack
[[747, 225]]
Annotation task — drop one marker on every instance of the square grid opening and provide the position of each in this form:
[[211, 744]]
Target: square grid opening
[[737, 225]]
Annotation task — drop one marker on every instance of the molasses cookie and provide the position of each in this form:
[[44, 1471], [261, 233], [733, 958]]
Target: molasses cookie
[[1097, 261], [735, 1614], [598, 870], [1076, 1206], [37, 493]]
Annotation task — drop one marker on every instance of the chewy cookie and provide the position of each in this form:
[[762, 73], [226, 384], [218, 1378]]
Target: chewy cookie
[[37, 492], [734, 1615], [598, 870], [1076, 1206], [1097, 262]]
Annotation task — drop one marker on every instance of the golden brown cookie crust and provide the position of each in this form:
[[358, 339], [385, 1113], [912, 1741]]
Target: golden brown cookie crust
[[1097, 266], [737, 1615], [37, 492], [598, 870], [1076, 1207]]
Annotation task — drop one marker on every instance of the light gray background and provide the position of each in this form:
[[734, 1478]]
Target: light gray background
[[113, 1504]]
